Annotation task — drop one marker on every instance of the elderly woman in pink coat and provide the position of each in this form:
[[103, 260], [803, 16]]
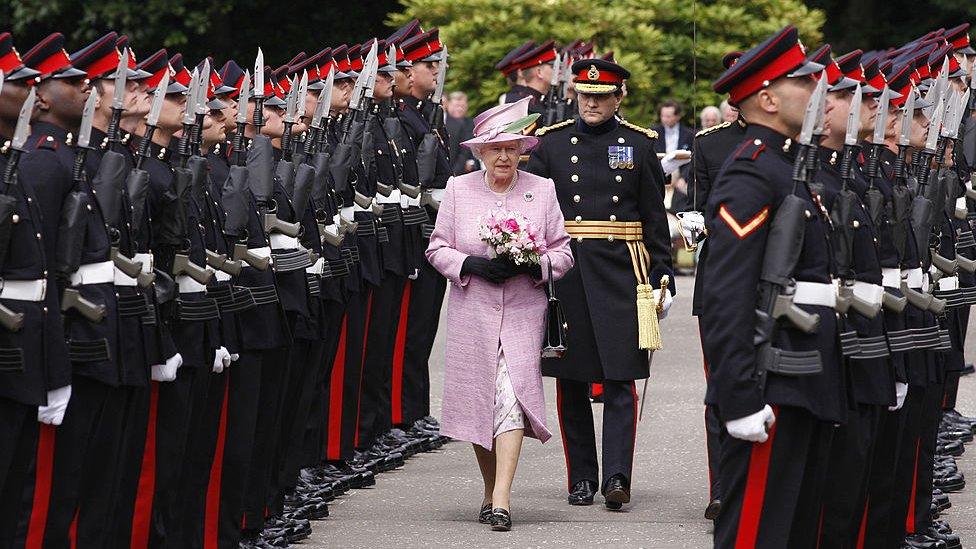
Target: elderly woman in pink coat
[[493, 393]]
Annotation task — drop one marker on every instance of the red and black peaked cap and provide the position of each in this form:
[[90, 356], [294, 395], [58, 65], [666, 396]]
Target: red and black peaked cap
[[50, 60], [11, 64], [232, 75], [506, 65], [156, 65], [836, 78], [779, 55], [539, 55], [598, 76], [100, 59], [958, 37]]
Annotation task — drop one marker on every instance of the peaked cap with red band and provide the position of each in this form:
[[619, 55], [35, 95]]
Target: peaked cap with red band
[[50, 60], [598, 76], [507, 66], [836, 79], [122, 44], [100, 59], [539, 55], [232, 75], [900, 80], [424, 47], [155, 65], [182, 75], [11, 64], [779, 55], [958, 37]]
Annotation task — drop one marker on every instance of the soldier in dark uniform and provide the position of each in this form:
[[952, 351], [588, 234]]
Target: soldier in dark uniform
[[614, 209], [92, 344], [535, 68], [513, 77], [782, 424], [708, 153], [25, 380]]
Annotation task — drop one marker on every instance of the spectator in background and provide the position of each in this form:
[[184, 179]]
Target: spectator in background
[[673, 136], [710, 116], [459, 128], [729, 113]]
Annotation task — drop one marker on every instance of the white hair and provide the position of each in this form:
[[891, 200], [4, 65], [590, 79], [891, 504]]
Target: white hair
[[476, 149], [710, 110]]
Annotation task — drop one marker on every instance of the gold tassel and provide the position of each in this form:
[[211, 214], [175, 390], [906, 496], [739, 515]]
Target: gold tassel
[[648, 328]]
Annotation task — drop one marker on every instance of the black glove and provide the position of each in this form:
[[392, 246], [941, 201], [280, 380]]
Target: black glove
[[510, 268], [488, 269]]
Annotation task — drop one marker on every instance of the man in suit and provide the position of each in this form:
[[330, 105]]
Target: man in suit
[[675, 135]]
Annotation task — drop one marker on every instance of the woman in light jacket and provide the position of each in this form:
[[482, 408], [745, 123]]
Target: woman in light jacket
[[493, 393]]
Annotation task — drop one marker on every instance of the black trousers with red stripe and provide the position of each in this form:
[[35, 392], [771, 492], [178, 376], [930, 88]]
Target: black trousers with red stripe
[[876, 514], [579, 438], [848, 475], [375, 414], [346, 379], [18, 444], [85, 449], [223, 517], [768, 491], [423, 317], [275, 368], [314, 443], [904, 478], [201, 446], [311, 354], [922, 499]]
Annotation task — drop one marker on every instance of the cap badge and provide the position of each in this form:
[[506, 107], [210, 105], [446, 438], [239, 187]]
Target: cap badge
[[593, 73]]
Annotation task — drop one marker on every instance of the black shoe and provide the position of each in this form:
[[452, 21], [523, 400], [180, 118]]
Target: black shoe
[[951, 540], [940, 500], [501, 520], [968, 369], [713, 509], [484, 516], [582, 493], [616, 491], [921, 541], [950, 482], [949, 447]]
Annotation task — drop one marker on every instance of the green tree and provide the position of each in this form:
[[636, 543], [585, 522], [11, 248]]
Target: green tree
[[673, 48]]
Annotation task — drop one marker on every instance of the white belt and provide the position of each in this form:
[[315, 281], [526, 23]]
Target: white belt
[[406, 201], [94, 273], [221, 276], [122, 279], [949, 283], [815, 293], [189, 286], [349, 212], [332, 229], [438, 194], [394, 198], [872, 293], [24, 290], [913, 277], [147, 262], [891, 277], [316, 268], [283, 242], [263, 253]]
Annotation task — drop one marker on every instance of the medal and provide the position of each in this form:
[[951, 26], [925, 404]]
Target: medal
[[619, 157]]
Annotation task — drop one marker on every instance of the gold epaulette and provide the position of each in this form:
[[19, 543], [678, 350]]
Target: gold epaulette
[[707, 131], [648, 132], [542, 131]]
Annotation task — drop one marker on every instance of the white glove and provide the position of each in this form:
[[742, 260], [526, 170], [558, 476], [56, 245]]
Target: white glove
[[668, 299], [167, 372], [234, 357], [57, 403], [414, 275], [692, 223], [901, 391], [222, 359], [753, 427], [669, 163]]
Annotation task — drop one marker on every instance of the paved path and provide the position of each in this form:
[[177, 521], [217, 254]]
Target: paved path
[[433, 500]]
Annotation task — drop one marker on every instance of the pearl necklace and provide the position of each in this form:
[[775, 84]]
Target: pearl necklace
[[507, 189]]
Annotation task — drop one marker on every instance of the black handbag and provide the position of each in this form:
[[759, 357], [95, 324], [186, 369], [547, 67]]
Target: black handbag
[[554, 341]]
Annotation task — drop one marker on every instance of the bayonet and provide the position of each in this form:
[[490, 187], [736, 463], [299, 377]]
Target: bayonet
[[355, 101], [556, 72], [2, 78], [87, 115], [258, 91], [325, 100], [153, 118], [372, 61], [302, 94], [120, 75], [810, 115], [441, 78], [291, 106], [854, 119], [935, 125], [881, 121], [818, 130], [242, 100], [200, 107], [21, 133], [908, 114]]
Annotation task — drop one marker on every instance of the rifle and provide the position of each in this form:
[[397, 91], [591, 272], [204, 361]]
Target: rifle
[[551, 100], [12, 320]]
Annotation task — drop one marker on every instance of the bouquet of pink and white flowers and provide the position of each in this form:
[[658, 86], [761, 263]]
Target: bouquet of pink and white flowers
[[510, 234]]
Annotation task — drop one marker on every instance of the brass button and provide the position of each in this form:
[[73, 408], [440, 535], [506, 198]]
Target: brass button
[[579, 219], [574, 140], [613, 218], [620, 140], [574, 177], [45, 310], [579, 239], [576, 198], [619, 178], [757, 142], [807, 213], [15, 218], [610, 238], [574, 159], [615, 199], [38, 236], [856, 224]]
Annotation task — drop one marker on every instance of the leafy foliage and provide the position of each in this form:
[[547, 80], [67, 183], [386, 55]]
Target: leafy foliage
[[673, 48]]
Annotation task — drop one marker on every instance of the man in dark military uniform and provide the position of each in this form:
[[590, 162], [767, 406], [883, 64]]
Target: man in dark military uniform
[[534, 66], [775, 421], [708, 153], [24, 381], [611, 187], [511, 72]]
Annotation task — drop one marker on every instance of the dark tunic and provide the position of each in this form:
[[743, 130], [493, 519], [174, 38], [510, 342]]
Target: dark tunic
[[599, 295]]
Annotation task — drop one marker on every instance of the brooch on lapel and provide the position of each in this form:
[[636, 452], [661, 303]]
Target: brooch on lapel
[[528, 196], [620, 157]]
